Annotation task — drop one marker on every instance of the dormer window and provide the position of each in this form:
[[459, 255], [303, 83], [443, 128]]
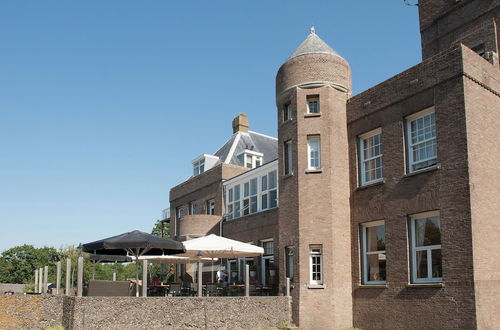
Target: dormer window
[[250, 158], [198, 167], [204, 163]]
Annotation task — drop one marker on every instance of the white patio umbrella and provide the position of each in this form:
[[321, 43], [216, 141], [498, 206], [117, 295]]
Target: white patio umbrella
[[213, 246], [168, 259]]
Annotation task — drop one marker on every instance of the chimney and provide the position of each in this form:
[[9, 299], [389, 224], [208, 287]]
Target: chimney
[[240, 123]]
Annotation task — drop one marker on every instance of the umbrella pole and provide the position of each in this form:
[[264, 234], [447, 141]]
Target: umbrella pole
[[137, 274], [212, 272]]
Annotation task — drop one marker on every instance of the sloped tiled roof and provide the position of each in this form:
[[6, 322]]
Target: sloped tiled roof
[[254, 141], [313, 45]]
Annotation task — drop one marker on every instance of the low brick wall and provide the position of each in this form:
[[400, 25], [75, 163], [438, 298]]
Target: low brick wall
[[28, 312], [143, 313]]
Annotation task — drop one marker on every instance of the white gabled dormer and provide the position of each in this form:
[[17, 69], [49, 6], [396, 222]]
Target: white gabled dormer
[[204, 163], [250, 158]]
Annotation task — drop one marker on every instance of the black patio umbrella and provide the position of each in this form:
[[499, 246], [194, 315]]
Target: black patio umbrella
[[135, 243]]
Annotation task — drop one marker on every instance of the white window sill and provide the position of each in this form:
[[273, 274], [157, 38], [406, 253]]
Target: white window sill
[[316, 286], [368, 185], [372, 286], [424, 170], [289, 175], [314, 170], [426, 285], [309, 115]]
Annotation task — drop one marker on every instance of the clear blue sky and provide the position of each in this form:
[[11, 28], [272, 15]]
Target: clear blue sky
[[103, 104]]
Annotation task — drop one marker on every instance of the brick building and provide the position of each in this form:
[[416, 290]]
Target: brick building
[[381, 207]]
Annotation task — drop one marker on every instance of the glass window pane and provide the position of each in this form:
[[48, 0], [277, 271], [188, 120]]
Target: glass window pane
[[427, 231], [421, 264], [376, 267], [237, 192], [253, 204], [273, 198], [253, 186], [437, 270], [246, 206], [375, 238], [264, 183], [272, 179], [246, 189], [264, 201]]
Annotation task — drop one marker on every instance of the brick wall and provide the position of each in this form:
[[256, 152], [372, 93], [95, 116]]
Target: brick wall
[[438, 82], [483, 121], [444, 23]]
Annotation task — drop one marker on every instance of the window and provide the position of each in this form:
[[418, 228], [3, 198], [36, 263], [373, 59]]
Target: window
[[250, 158], [287, 112], [421, 140], [268, 248], [313, 152], [259, 193], [316, 264], [273, 189], [288, 157], [198, 167], [313, 104], [373, 252], [179, 212], [192, 208], [370, 157], [237, 207], [211, 207], [264, 196], [425, 237], [267, 265]]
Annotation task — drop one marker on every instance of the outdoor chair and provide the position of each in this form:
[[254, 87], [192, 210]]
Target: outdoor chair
[[212, 290], [174, 290], [193, 289], [253, 290]]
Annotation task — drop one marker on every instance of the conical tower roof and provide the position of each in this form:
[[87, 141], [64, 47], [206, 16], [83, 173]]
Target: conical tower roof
[[313, 45]]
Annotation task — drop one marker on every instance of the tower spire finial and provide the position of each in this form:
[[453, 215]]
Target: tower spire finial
[[313, 30]]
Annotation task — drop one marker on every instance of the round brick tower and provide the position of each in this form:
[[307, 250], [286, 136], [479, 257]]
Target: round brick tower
[[312, 88]]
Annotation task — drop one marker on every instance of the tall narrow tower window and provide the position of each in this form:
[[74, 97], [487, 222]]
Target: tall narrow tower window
[[288, 157], [313, 104], [313, 152], [287, 112]]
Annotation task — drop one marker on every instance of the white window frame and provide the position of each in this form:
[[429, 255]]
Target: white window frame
[[192, 208], [365, 253], [180, 212], [410, 145], [211, 207], [313, 99], [198, 167], [267, 173], [310, 159], [429, 248], [287, 112], [288, 157], [363, 162], [265, 257], [314, 257]]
